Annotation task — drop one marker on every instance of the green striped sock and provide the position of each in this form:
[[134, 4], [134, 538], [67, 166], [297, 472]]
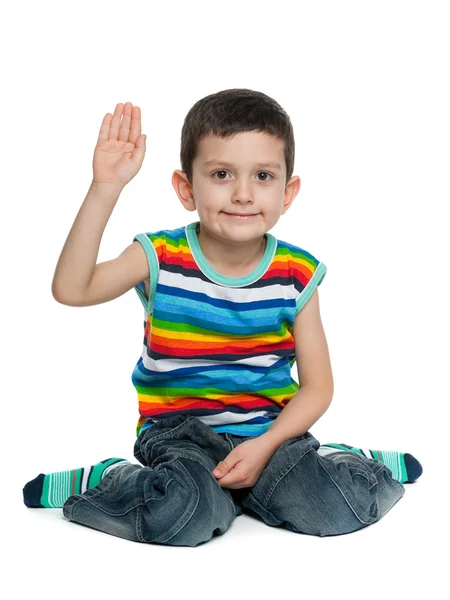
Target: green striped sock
[[404, 467], [52, 490]]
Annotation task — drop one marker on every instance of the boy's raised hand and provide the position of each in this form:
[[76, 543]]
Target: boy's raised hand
[[120, 147]]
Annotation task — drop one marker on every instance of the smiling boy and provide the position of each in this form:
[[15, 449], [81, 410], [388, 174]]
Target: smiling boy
[[228, 310]]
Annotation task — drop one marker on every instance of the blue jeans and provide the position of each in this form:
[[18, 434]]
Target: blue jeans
[[174, 499]]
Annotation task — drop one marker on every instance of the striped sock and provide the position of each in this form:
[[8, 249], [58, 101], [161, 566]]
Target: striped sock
[[404, 467], [51, 491]]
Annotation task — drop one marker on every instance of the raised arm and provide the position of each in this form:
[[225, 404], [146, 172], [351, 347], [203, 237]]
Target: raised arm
[[118, 156]]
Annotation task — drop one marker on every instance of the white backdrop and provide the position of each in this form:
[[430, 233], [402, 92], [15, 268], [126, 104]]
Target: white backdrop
[[367, 88]]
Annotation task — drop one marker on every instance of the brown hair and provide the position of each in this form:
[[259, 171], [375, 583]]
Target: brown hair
[[228, 112]]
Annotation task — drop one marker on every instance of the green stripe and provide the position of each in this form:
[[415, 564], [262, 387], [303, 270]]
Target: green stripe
[[44, 496], [395, 461], [98, 470], [339, 447], [198, 392], [403, 468]]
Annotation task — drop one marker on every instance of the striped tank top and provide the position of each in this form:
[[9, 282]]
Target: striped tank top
[[217, 347]]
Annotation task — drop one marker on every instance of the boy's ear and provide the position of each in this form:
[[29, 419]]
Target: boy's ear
[[291, 190], [183, 189]]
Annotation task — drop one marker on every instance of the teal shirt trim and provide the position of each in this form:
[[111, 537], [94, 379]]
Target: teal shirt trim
[[269, 253], [153, 264], [315, 280]]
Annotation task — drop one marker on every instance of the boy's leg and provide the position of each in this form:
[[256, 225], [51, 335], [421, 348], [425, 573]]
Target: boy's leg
[[321, 495], [172, 499], [52, 490], [403, 466]]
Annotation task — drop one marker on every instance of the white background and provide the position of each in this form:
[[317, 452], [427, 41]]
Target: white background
[[366, 85]]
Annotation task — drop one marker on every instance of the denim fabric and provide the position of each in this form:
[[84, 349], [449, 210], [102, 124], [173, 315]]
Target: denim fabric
[[174, 499]]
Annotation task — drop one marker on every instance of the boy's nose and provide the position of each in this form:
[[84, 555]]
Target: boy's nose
[[242, 192]]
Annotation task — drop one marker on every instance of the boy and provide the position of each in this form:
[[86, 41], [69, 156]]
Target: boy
[[223, 427]]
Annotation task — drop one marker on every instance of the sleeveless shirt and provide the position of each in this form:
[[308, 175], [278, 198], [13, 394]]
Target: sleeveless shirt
[[217, 347]]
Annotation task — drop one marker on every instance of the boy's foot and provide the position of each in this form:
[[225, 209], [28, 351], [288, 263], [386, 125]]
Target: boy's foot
[[404, 467], [52, 490]]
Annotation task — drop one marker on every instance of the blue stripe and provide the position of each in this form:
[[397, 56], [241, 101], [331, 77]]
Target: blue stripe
[[231, 305]]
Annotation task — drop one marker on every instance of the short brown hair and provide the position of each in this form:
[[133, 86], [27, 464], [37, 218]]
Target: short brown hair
[[228, 112]]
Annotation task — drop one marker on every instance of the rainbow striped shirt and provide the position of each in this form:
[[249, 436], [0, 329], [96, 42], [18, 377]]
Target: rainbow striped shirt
[[217, 347]]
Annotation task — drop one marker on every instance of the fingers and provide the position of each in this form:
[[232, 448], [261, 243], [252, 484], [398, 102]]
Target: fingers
[[103, 136], [114, 127], [123, 125], [135, 124], [130, 127]]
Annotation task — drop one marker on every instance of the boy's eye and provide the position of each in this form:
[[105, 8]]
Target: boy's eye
[[223, 171]]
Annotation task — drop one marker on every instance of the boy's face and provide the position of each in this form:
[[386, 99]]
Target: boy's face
[[244, 174]]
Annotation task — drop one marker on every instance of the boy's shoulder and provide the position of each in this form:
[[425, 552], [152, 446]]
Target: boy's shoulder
[[298, 254], [157, 240], [167, 233], [306, 270]]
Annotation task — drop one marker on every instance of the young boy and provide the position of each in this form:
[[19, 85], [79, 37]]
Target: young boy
[[228, 310]]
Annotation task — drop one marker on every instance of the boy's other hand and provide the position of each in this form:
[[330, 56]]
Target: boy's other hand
[[120, 147], [244, 464]]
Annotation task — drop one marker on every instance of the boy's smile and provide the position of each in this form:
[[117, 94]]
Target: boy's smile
[[242, 175]]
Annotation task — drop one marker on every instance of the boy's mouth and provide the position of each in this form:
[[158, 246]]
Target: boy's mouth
[[240, 215]]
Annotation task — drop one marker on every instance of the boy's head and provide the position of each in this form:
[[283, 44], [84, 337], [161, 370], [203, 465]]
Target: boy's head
[[237, 155]]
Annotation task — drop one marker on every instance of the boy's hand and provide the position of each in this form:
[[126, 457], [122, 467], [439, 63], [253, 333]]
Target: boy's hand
[[120, 147], [244, 464]]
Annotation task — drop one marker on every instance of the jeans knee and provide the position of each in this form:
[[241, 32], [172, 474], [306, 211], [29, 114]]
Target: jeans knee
[[319, 497], [197, 508]]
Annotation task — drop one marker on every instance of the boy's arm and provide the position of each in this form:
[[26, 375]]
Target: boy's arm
[[78, 257], [118, 156], [315, 375], [78, 281]]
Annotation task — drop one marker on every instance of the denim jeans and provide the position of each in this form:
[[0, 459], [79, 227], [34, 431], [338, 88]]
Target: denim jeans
[[174, 499]]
